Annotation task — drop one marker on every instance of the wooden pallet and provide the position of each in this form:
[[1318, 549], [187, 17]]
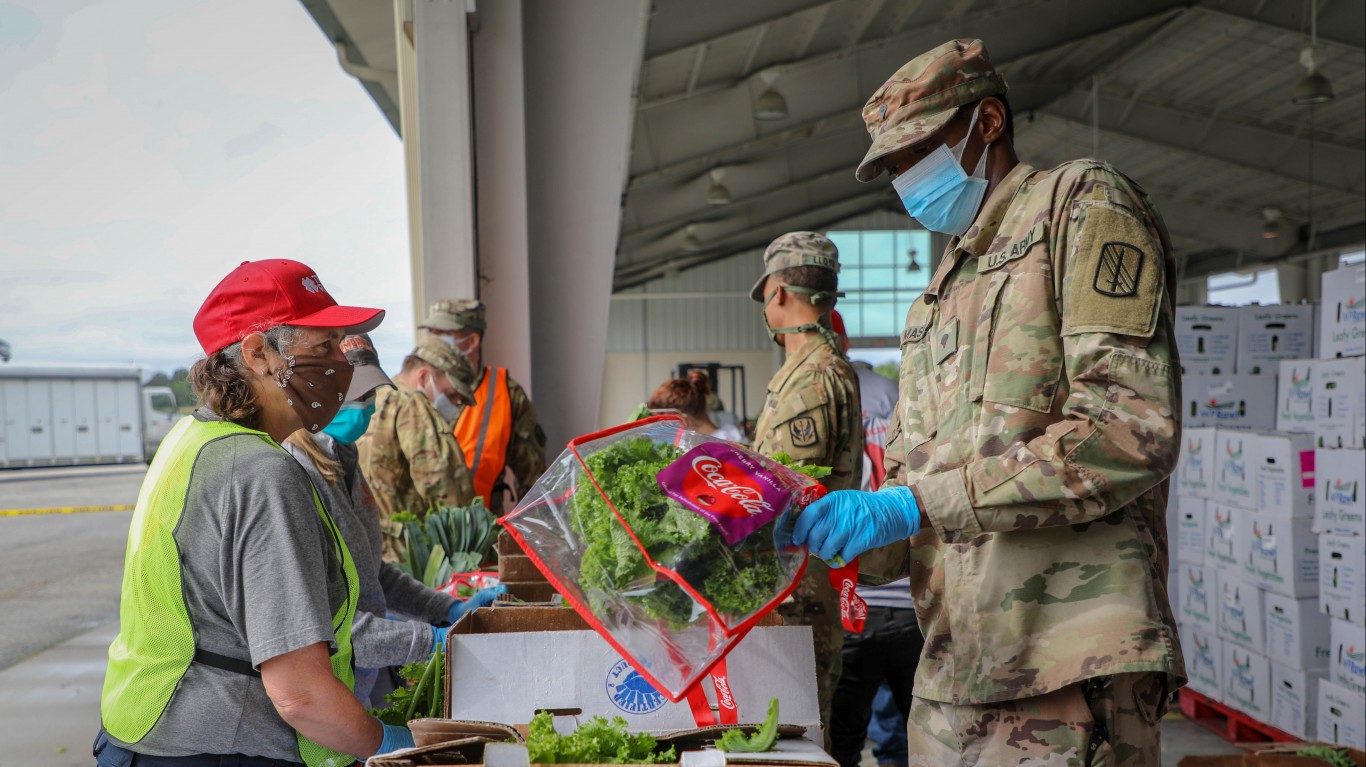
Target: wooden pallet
[[1228, 723]]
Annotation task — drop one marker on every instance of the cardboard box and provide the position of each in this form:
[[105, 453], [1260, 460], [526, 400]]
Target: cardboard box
[[1197, 590], [1207, 338], [1340, 501], [1285, 470], [1242, 614], [1295, 395], [1188, 536], [1235, 462], [1225, 547], [1297, 634], [1195, 466], [506, 648], [1229, 401], [1338, 390], [1281, 554], [1341, 716], [1204, 654], [1247, 681], [1348, 661], [1294, 699], [1268, 334], [1342, 577], [1342, 321]]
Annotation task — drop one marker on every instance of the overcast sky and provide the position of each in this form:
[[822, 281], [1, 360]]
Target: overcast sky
[[147, 147]]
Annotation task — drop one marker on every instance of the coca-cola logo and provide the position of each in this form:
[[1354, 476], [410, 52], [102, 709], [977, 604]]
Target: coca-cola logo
[[729, 493], [723, 697]]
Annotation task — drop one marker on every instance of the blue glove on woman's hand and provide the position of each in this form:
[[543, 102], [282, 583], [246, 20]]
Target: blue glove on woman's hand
[[439, 638], [395, 737], [483, 598], [847, 523]]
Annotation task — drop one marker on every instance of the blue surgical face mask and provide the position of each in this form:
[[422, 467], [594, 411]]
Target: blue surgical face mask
[[939, 194], [351, 422]]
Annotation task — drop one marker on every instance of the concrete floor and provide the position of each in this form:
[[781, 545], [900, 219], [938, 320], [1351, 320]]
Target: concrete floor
[[59, 585]]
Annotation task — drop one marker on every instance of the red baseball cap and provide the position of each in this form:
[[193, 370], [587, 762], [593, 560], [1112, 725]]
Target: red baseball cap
[[260, 295], [837, 322]]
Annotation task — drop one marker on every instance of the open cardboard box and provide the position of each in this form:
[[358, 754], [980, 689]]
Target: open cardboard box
[[1270, 755], [504, 664]]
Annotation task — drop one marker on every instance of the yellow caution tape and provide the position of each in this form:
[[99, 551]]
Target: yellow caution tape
[[63, 510]]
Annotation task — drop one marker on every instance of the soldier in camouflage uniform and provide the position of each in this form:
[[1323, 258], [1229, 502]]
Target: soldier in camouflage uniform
[[499, 432], [1031, 447], [812, 413], [408, 455]]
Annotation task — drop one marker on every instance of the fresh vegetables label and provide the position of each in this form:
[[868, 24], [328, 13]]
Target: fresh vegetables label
[[728, 487]]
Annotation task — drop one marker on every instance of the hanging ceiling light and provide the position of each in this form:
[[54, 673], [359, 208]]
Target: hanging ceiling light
[[690, 243], [1273, 222], [914, 266], [1313, 88], [718, 194], [770, 105]]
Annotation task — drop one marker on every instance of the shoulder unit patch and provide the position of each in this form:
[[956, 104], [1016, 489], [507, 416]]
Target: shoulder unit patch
[[803, 431]]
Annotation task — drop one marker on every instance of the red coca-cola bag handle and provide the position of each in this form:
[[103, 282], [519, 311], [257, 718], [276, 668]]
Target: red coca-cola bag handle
[[844, 579]]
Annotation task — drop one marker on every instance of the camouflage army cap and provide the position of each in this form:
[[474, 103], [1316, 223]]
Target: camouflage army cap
[[455, 365], [924, 95], [797, 249], [457, 314]]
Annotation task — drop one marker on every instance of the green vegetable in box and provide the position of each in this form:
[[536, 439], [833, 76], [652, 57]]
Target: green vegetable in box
[[736, 580], [448, 540], [597, 741]]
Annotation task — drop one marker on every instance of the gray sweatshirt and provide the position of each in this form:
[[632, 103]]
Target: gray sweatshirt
[[384, 589]]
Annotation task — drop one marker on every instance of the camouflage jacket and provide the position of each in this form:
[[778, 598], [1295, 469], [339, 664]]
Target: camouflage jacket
[[1037, 425], [813, 414], [411, 460]]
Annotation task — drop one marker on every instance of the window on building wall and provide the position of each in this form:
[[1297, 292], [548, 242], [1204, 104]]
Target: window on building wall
[[1241, 289], [879, 285]]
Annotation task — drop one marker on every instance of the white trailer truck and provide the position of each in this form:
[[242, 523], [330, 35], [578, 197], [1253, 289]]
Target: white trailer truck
[[72, 416]]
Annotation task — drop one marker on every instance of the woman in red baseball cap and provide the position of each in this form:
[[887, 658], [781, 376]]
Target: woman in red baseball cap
[[238, 591]]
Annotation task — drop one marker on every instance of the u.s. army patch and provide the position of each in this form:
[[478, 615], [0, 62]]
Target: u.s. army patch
[[1118, 269], [803, 431]]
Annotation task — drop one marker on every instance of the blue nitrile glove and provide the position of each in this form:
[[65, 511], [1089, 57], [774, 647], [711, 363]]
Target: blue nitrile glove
[[482, 598], [439, 638], [395, 737], [847, 523]]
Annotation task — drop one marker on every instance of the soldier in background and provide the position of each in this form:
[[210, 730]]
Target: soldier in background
[[1029, 455], [499, 432], [812, 413], [408, 454]]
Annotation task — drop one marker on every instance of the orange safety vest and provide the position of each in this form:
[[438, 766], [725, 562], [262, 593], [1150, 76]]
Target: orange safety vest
[[484, 430]]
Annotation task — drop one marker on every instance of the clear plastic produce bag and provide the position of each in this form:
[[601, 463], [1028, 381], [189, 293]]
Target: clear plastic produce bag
[[666, 541]]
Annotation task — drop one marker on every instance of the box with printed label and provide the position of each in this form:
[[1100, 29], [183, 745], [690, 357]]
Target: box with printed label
[[1195, 465], [1342, 577], [1189, 533], [1295, 395], [1340, 501], [1197, 592], [1284, 467], [1235, 480], [1294, 699], [1338, 390], [1242, 613], [1348, 661], [1204, 654], [1268, 334], [1342, 318], [1297, 634], [1225, 548], [1281, 554], [1247, 681], [1341, 716], [1229, 401], [1207, 338]]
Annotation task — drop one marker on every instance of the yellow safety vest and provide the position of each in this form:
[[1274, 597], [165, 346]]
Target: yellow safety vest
[[156, 645]]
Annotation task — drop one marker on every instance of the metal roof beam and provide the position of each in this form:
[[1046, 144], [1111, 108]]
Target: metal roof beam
[[735, 30], [1335, 167], [1342, 27]]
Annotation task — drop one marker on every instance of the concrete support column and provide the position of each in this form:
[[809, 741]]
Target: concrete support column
[[1293, 280], [438, 134], [581, 61], [501, 186]]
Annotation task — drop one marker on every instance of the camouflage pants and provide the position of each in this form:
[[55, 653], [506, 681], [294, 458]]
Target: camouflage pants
[[815, 603], [1111, 721]]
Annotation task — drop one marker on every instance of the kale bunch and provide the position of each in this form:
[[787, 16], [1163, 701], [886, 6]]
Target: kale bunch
[[737, 581]]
